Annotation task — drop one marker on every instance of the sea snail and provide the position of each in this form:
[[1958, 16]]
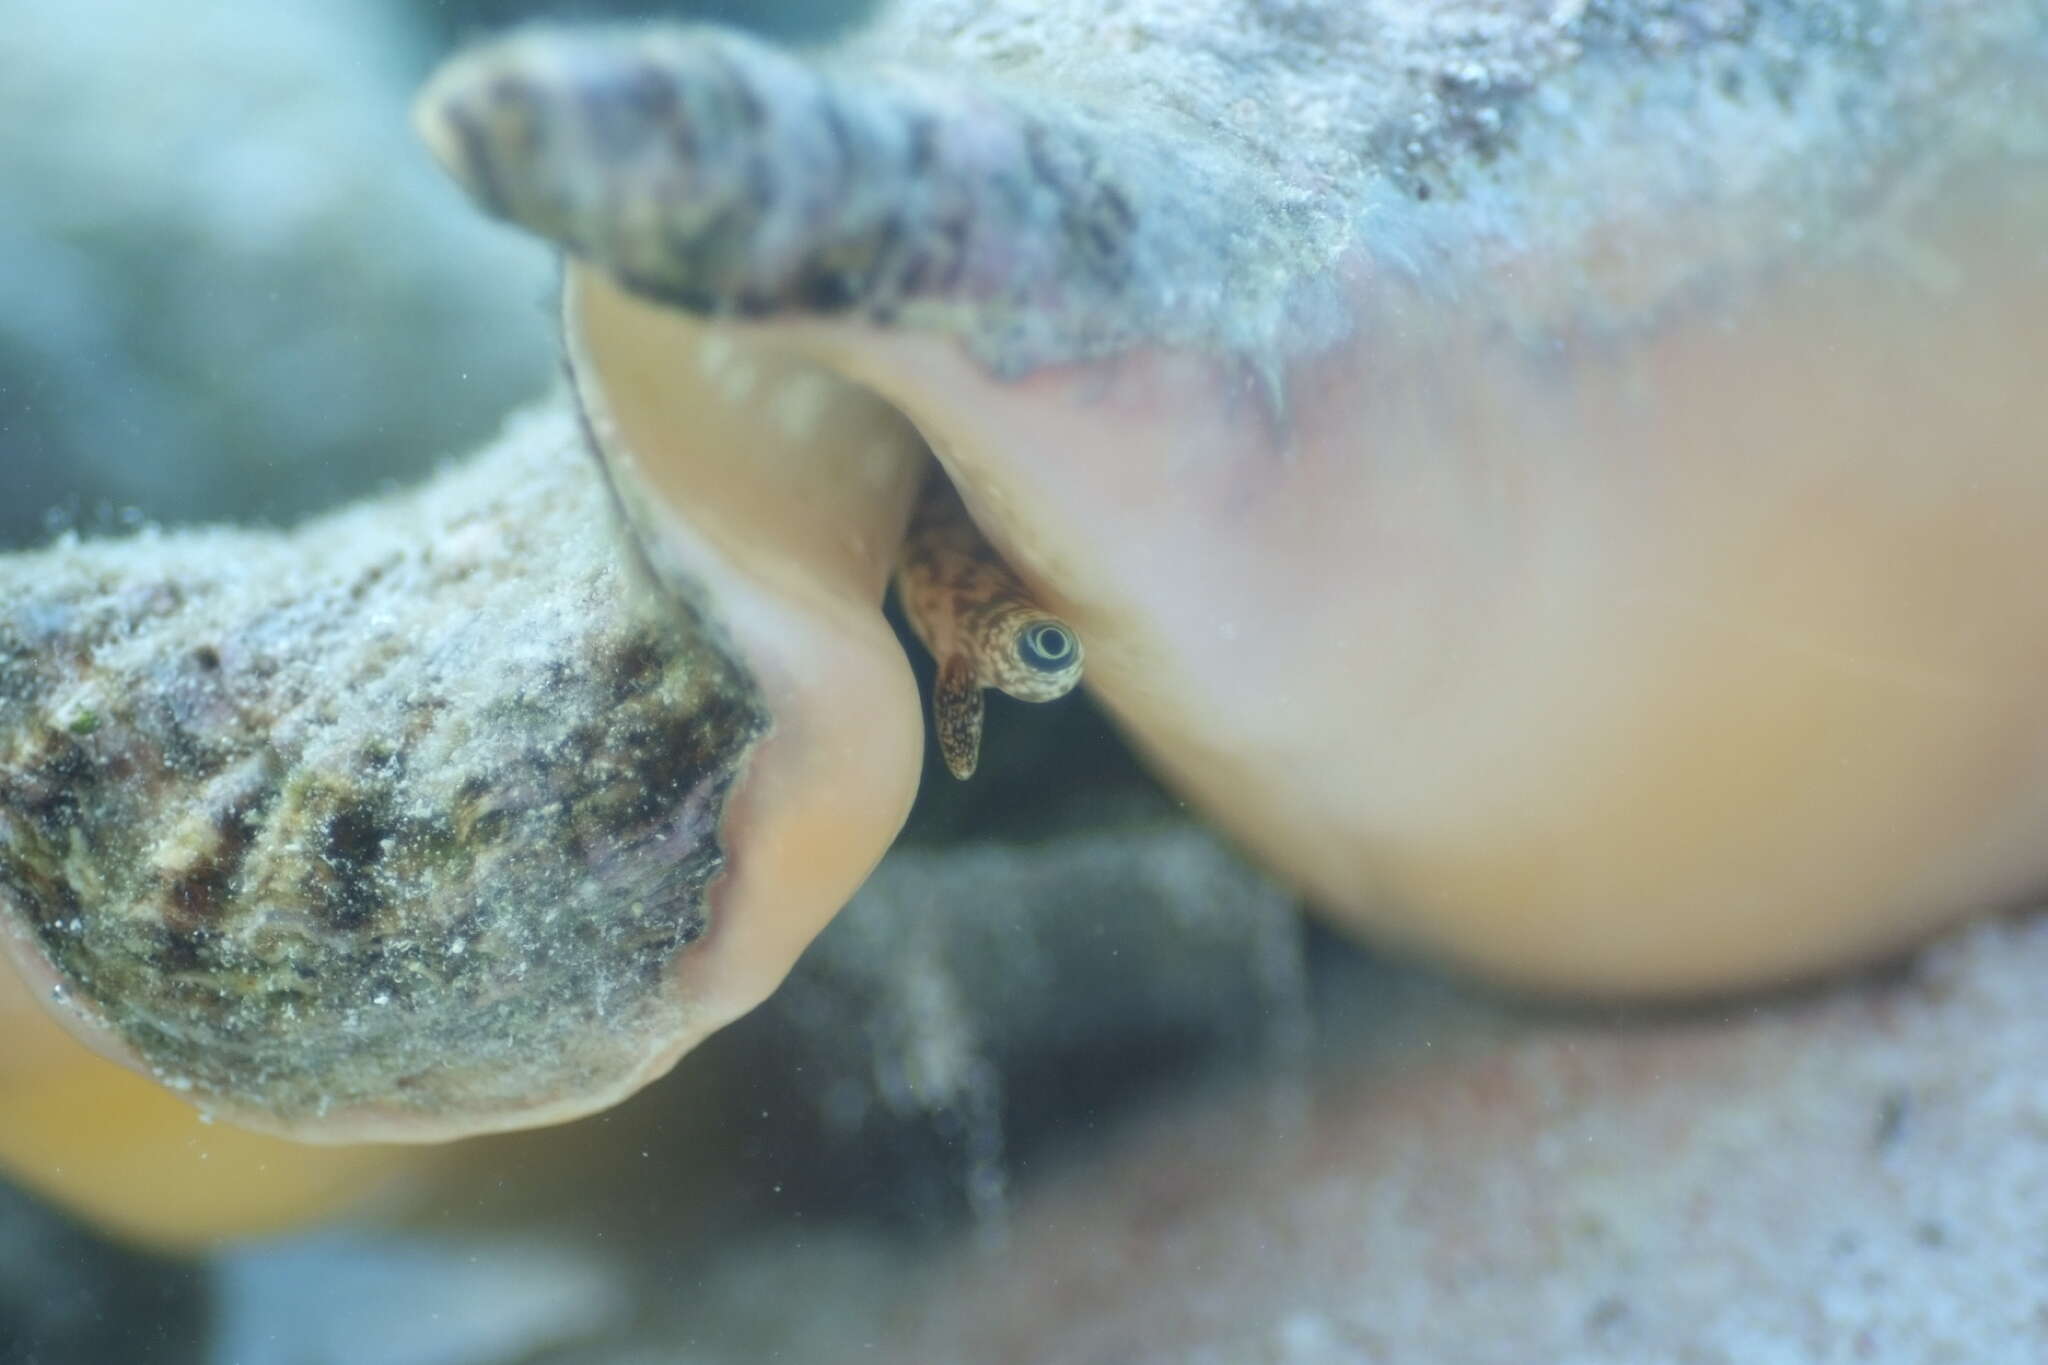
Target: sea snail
[[1563, 485]]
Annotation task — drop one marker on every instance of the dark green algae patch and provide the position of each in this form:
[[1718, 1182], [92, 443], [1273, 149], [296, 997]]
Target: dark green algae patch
[[409, 810]]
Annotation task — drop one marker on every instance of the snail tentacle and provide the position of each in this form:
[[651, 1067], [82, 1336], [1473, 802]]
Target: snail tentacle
[[715, 174], [957, 710]]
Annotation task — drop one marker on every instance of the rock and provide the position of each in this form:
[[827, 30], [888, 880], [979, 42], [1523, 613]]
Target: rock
[[238, 289]]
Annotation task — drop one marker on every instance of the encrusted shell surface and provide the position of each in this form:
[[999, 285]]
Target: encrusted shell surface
[[409, 810]]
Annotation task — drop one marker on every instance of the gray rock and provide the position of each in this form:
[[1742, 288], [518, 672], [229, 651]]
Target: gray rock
[[68, 1297], [235, 287], [340, 1299]]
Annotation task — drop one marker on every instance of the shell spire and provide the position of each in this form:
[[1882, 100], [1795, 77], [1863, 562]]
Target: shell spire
[[713, 173]]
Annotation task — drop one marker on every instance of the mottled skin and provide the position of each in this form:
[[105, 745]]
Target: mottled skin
[[980, 623]]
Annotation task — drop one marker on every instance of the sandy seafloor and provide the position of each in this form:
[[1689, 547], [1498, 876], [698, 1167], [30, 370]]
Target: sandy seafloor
[[1857, 1174], [1259, 1146], [1852, 1174]]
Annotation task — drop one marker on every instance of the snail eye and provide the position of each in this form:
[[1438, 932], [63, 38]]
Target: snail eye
[[1048, 647]]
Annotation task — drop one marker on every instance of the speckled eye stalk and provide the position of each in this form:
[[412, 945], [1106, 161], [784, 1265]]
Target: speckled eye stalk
[[1048, 647]]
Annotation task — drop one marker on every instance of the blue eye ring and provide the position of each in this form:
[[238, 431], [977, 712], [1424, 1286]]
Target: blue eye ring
[[1048, 647]]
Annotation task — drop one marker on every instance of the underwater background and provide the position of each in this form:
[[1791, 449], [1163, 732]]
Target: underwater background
[[1069, 1080]]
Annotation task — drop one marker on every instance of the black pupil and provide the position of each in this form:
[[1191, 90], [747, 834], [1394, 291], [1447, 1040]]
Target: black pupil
[[1047, 647]]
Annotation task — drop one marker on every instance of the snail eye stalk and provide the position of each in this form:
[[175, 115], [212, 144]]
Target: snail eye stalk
[[1048, 647]]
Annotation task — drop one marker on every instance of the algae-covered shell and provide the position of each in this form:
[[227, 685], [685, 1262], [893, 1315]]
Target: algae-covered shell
[[370, 828]]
